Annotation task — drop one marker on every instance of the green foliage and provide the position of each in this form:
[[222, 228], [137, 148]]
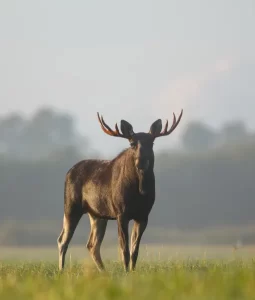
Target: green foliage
[[193, 191], [46, 133], [188, 279], [198, 137]]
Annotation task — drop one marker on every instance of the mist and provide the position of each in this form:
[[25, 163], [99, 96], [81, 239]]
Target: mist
[[63, 62]]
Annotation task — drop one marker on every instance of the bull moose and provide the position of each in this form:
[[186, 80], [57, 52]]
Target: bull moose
[[121, 189]]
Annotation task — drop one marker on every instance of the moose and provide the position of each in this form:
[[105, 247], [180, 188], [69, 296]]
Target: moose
[[121, 189]]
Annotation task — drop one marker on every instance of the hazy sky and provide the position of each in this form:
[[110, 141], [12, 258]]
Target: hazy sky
[[138, 60]]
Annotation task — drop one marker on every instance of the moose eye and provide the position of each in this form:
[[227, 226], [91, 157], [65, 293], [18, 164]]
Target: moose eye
[[133, 144]]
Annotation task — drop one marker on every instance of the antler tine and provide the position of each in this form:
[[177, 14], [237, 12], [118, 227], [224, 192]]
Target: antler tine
[[100, 121], [165, 132], [106, 126], [102, 125], [166, 127], [117, 130], [174, 125], [107, 129]]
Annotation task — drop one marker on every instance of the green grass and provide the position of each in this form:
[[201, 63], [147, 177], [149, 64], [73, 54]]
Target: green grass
[[169, 279]]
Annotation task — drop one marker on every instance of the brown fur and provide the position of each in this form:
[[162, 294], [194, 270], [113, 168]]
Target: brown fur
[[121, 189]]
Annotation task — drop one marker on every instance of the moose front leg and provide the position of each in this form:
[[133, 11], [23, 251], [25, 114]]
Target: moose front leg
[[137, 232], [123, 240]]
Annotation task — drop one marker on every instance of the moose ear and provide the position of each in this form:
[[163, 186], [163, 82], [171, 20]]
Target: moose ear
[[126, 128], [156, 127]]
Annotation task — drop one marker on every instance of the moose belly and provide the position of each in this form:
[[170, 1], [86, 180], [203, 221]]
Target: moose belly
[[96, 202], [100, 210]]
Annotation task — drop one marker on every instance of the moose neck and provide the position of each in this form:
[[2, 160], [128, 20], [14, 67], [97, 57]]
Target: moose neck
[[145, 178]]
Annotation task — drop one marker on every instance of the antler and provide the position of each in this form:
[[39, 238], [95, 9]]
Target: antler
[[107, 128], [174, 125]]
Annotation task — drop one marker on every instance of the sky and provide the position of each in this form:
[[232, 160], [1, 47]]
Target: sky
[[135, 60]]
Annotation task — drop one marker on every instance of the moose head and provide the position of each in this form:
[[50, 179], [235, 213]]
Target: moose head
[[141, 143]]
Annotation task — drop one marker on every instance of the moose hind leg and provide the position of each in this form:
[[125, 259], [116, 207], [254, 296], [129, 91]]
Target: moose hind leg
[[69, 225], [97, 232]]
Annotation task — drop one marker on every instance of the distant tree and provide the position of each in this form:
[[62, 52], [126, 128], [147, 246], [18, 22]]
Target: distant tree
[[70, 154], [233, 132], [11, 127], [46, 132], [198, 137]]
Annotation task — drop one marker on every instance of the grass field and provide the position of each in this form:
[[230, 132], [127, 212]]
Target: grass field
[[169, 272], [148, 252], [178, 279]]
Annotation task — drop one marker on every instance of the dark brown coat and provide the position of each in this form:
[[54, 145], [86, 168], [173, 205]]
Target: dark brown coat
[[121, 189]]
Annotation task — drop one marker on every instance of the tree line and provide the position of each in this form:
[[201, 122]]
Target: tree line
[[195, 189], [199, 137], [49, 133]]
